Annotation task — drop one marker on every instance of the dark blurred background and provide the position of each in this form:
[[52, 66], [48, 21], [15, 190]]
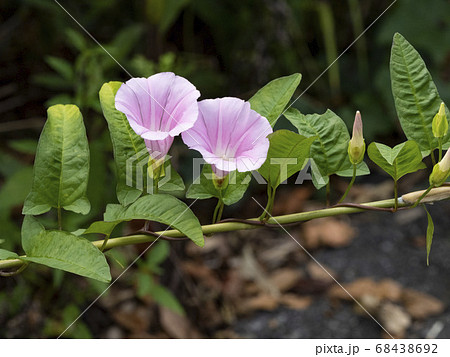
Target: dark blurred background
[[225, 48]]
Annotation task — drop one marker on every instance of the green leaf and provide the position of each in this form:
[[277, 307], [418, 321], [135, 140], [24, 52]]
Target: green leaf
[[416, 97], [271, 99], [31, 228], [172, 182], [65, 251], [61, 66], [6, 254], [127, 147], [329, 150], [430, 233], [288, 154], [398, 161], [61, 166], [160, 208], [26, 146], [101, 227], [346, 169], [156, 256], [203, 187], [162, 296]]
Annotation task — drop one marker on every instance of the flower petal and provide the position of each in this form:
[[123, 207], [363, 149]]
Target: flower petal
[[229, 134], [161, 105]]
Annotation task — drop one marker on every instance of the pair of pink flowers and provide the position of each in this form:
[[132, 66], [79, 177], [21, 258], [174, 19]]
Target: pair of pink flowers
[[226, 131]]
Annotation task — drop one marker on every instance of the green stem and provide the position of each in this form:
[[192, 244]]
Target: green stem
[[433, 159], [59, 218], [264, 215], [395, 195], [155, 185], [105, 241], [349, 185], [216, 210], [422, 196], [230, 227], [219, 214], [440, 148]]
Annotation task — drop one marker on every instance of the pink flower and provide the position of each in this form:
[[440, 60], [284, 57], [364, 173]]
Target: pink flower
[[159, 108], [228, 135]]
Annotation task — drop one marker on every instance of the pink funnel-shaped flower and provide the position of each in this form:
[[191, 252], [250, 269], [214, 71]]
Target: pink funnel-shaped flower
[[228, 135], [158, 108]]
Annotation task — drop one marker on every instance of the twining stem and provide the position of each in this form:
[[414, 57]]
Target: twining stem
[[349, 185], [59, 219], [235, 226]]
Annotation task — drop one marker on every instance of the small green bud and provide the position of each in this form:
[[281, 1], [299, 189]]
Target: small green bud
[[220, 183], [441, 171], [156, 168], [440, 124], [356, 145]]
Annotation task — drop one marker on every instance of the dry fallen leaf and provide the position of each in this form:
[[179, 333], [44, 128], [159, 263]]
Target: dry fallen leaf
[[394, 319], [420, 305], [357, 288], [328, 232], [285, 279], [389, 289], [132, 317], [321, 273], [260, 302], [175, 325], [292, 200], [296, 302]]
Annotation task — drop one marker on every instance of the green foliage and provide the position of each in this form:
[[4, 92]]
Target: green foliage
[[430, 233], [415, 94], [126, 144], [6, 254], [172, 182], [61, 167], [288, 154], [101, 227], [161, 208], [271, 99], [398, 161], [62, 250], [91, 66], [329, 150], [203, 186], [346, 169], [147, 285], [161, 295]]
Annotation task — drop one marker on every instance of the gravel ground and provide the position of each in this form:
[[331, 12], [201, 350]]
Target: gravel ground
[[386, 246]]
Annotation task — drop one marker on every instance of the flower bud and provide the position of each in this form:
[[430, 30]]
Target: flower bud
[[156, 168], [356, 145], [440, 124], [220, 179], [441, 171]]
